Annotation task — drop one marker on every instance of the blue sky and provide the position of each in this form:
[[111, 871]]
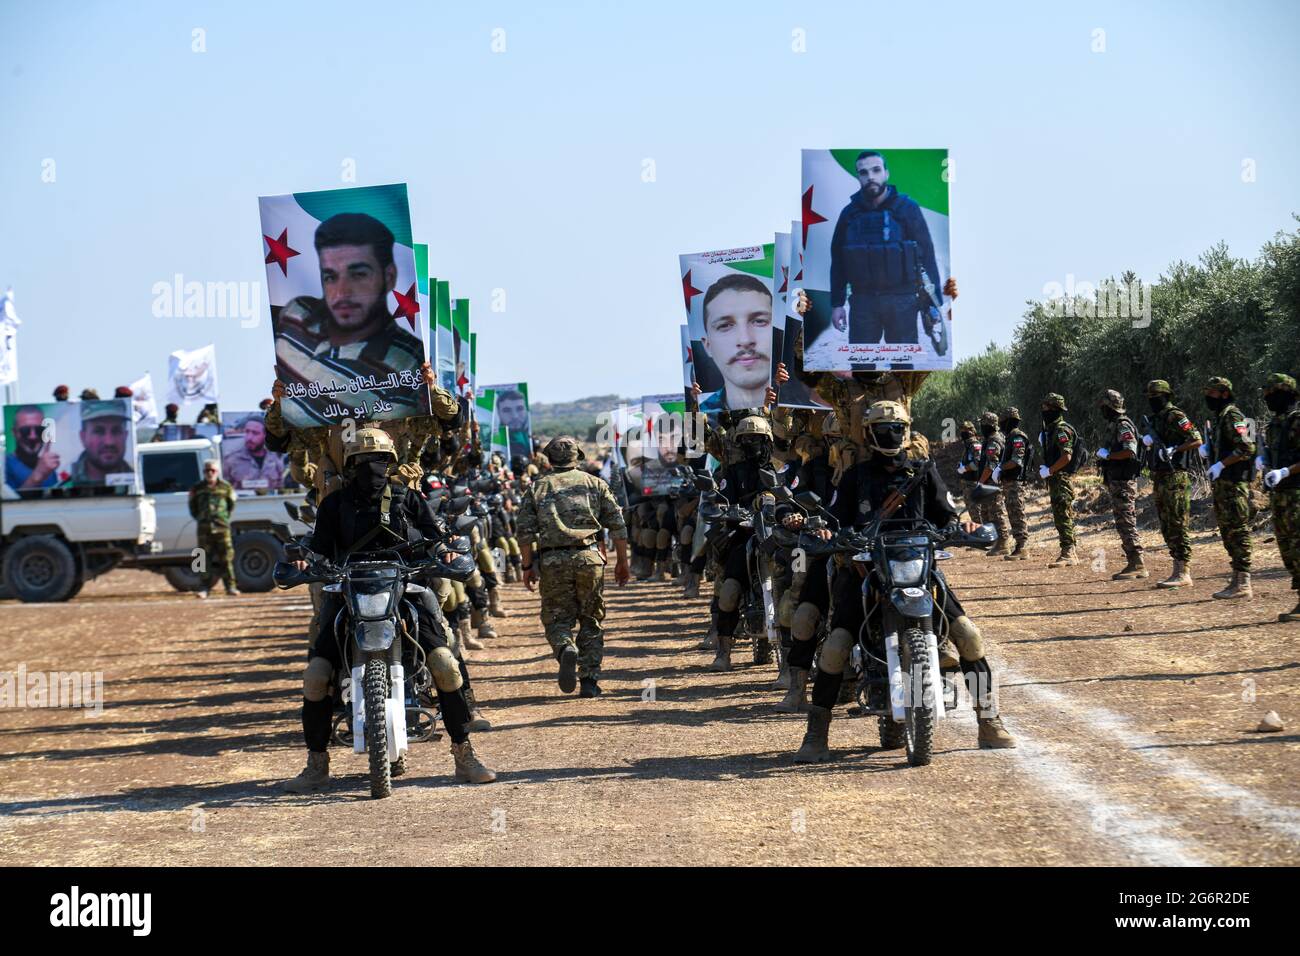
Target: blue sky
[[525, 166]]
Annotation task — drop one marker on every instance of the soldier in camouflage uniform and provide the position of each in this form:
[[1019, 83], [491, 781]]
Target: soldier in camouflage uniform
[[969, 467], [566, 510], [1171, 437], [1121, 466], [1011, 476], [211, 502], [1231, 454], [993, 510], [1059, 441], [1282, 475]]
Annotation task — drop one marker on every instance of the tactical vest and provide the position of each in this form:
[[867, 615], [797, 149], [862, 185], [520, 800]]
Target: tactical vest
[[1280, 451], [880, 259], [1221, 439]]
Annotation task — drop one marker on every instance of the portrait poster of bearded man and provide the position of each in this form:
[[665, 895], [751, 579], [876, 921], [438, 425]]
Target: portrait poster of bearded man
[[729, 305], [345, 305]]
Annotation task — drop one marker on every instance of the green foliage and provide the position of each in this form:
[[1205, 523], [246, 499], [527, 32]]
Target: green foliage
[[1218, 316]]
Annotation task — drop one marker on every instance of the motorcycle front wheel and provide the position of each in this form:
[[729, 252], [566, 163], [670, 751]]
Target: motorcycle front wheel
[[375, 683], [918, 726]]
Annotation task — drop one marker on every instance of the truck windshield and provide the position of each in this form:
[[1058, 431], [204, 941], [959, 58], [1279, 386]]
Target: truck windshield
[[172, 471]]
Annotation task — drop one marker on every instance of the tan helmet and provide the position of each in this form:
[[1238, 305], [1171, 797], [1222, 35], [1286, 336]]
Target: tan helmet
[[753, 425], [888, 413], [831, 426], [369, 441]]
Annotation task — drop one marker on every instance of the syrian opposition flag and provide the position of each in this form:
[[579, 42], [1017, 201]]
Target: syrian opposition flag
[[192, 376], [142, 402]]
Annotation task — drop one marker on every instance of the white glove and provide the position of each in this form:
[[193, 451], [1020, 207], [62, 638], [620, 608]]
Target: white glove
[[1216, 470], [1103, 453], [1276, 477], [961, 469], [1260, 463], [1043, 471], [1148, 440], [997, 472], [1169, 452], [1205, 452]]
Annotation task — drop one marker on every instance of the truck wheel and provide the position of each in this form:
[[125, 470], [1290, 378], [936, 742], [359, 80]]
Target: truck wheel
[[182, 578], [40, 567], [255, 555]]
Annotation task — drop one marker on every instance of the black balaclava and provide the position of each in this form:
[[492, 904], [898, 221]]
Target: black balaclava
[[1215, 404], [1279, 401], [987, 430], [887, 437], [755, 450], [369, 478], [1109, 413], [1051, 416], [1157, 402], [1009, 424]]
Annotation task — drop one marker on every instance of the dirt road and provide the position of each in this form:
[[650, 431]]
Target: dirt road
[[1135, 709]]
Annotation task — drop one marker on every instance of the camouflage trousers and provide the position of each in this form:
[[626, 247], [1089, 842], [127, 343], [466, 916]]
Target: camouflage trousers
[[968, 496], [218, 555], [1286, 524], [1014, 493], [1232, 511], [1173, 497], [1123, 497], [993, 510], [1061, 490], [572, 590]]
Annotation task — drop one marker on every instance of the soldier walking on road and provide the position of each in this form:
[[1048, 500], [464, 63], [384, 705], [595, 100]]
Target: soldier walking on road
[[1230, 452], [565, 511], [1011, 475], [1059, 441], [1282, 478], [1171, 438], [211, 502], [993, 510], [1121, 466]]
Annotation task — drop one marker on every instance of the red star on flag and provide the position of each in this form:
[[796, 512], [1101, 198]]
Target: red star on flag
[[785, 279], [688, 290], [280, 252], [408, 306], [800, 275], [810, 218]]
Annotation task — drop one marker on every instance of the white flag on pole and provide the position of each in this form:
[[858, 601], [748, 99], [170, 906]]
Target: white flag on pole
[[9, 323], [142, 401], [192, 375]]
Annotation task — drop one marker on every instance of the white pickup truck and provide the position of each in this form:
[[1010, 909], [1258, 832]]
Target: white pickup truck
[[259, 525], [50, 547]]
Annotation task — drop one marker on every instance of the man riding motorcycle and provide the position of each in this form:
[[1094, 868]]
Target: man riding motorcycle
[[863, 490], [369, 513]]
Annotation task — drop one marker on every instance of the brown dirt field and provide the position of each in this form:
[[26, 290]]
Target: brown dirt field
[[1133, 706]]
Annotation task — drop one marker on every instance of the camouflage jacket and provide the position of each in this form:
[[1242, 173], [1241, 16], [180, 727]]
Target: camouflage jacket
[[1058, 439], [1231, 436], [212, 506], [991, 457], [568, 507], [1016, 453], [1173, 428], [1282, 446]]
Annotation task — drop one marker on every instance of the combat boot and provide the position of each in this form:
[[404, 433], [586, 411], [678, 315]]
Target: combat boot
[[314, 776], [467, 638], [1179, 577], [1065, 558], [1239, 587], [691, 587], [589, 687], [643, 568], [795, 698], [233, 592], [494, 604], [469, 769], [722, 661], [710, 641], [1018, 553], [994, 736], [1134, 569], [816, 747], [664, 570], [568, 678], [782, 668], [1000, 548], [1290, 616], [511, 575]]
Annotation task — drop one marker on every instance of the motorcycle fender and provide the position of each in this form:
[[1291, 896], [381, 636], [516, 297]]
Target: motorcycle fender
[[358, 710], [932, 651], [897, 686], [373, 636], [912, 602]]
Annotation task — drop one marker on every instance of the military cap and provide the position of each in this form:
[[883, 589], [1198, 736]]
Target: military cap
[[1112, 399], [988, 418], [967, 426], [563, 450], [1010, 412], [1053, 400], [1280, 380], [102, 409], [1219, 382], [1158, 386]]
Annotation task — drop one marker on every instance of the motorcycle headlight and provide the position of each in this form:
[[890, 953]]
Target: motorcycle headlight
[[906, 572], [372, 605]]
